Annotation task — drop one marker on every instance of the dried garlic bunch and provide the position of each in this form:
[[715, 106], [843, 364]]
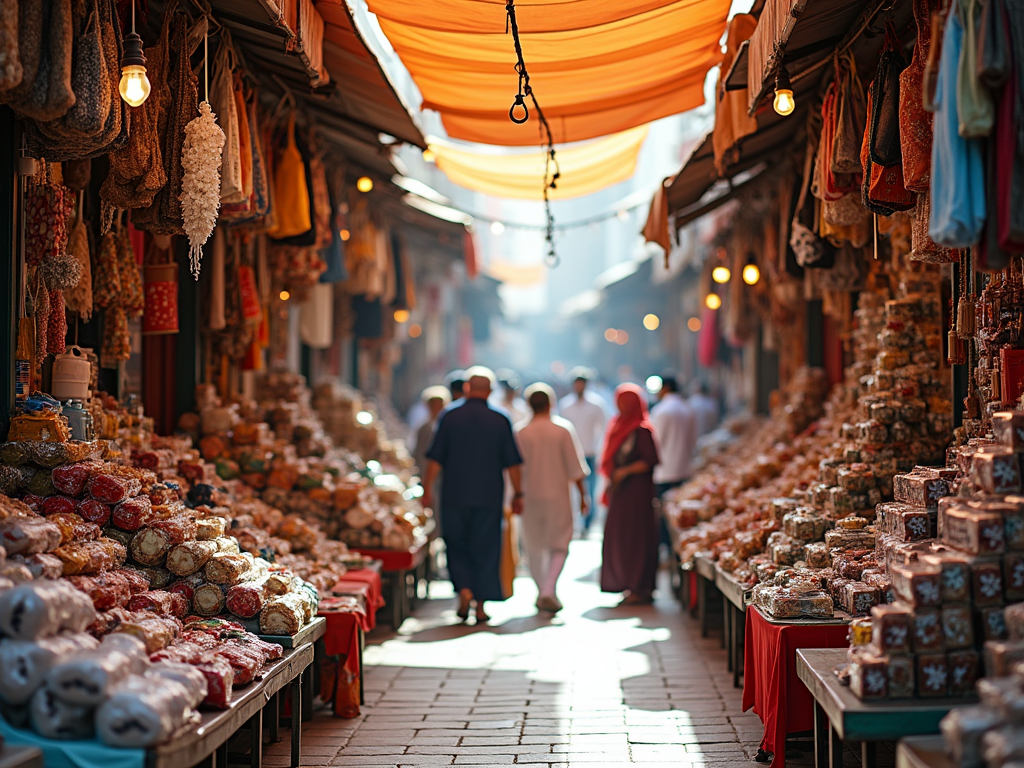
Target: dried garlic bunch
[[200, 186]]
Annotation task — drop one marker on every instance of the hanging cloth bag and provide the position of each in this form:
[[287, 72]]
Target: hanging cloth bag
[[884, 144], [291, 196], [48, 210], [974, 105], [915, 120], [222, 101], [851, 121], [882, 191], [90, 79]]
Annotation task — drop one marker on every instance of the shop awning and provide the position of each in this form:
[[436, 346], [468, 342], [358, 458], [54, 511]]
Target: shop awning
[[584, 168], [597, 66]]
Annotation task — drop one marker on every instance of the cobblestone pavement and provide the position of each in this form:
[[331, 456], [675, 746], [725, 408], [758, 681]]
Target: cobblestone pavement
[[595, 686]]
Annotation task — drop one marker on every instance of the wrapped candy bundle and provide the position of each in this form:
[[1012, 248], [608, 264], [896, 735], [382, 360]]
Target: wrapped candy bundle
[[25, 535], [159, 602], [107, 621], [88, 677], [70, 479], [112, 488], [158, 578], [227, 568], [93, 511], [246, 599], [283, 615], [91, 557], [156, 632], [107, 590], [137, 580], [193, 680], [145, 711], [73, 528], [57, 504], [190, 556], [37, 609], [187, 587], [151, 545], [161, 458], [24, 664], [246, 663], [132, 514], [208, 600], [220, 679], [56, 718], [41, 566], [208, 528]]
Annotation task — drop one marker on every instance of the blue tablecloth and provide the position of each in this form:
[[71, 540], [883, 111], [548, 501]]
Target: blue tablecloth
[[74, 754]]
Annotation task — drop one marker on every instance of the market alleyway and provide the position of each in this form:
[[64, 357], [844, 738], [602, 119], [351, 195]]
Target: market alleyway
[[597, 685]]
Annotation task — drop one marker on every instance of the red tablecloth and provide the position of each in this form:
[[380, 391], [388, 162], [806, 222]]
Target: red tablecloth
[[770, 684], [397, 560], [341, 644], [365, 583]]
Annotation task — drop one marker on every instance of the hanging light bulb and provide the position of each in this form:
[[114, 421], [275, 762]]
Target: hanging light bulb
[[364, 184], [784, 102], [712, 301], [429, 155], [134, 86], [751, 274], [721, 274]]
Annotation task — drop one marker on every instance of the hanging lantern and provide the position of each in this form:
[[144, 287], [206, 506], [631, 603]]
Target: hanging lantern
[[134, 86]]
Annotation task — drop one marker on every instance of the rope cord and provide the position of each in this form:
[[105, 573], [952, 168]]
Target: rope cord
[[551, 170]]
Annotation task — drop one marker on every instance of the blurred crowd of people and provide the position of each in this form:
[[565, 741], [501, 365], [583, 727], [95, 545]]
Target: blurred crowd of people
[[488, 450]]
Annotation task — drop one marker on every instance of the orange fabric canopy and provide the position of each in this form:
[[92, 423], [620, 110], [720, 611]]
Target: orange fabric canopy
[[584, 169], [596, 66]]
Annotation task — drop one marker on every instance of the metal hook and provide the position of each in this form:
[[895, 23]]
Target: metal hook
[[519, 102]]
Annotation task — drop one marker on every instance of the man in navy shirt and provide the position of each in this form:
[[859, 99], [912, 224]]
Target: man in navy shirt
[[474, 445]]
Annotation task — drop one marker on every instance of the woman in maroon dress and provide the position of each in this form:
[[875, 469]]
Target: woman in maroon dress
[[630, 552]]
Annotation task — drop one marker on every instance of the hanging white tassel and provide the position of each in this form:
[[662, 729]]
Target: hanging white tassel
[[200, 185]]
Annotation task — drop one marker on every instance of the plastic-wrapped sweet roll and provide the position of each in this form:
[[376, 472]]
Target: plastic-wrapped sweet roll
[[41, 608], [137, 580], [123, 537], [246, 663], [56, 718], [89, 677], [225, 568], [158, 578], [283, 615], [24, 535], [74, 529], [160, 602], [107, 590], [190, 556], [107, 621], [24, 664], [192, 679], [143, 713], [91, 557], [246, 599], [71, 478], [246, 639], [57, 504], [151, 545], [94, 511], [228, 545], [41, 566], [112, 488], [161, 458], [220, 679], [187, 587], [208, 528], [208, 600], [164, 493], [156, 632], [132, 514]]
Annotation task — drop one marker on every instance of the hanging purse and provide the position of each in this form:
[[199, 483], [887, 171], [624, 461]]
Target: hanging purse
[[48, 209], [884, 144], [48, 95], [851, 122], [882, 190], [915, 120], [809, 249], [89, 77]]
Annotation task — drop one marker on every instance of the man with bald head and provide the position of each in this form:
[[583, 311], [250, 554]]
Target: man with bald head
[[472, 448]]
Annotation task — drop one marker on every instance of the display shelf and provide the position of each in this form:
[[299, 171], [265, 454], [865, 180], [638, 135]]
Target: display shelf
[[308, 634]]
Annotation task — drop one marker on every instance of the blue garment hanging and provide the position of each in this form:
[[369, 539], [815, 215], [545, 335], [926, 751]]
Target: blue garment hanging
[[958, 164]]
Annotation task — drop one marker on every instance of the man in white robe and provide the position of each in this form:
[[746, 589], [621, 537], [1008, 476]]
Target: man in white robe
[[552, 462]]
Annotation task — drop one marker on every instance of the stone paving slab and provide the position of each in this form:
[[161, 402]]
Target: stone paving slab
[[595, 686]]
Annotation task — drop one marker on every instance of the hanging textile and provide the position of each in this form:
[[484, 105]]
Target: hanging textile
[[216, 319], [656, 228], [915, 120], [79, 298], [164, 215], [291, 196], [598, 67], [316, 317], [585, 169], [732, 122], [974, 105], [222, 101], [957, 184], [10, 58], [45, 45], [161, 289]]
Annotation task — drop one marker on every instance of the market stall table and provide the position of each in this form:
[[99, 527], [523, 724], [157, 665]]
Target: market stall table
[[195, 743], [704, 568], [399, 567], [364, 584], [735, 603], [923, 752], [840, 716], [770, 682]]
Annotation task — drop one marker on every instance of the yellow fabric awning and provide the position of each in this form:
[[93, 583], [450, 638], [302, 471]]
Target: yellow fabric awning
[[596, 66], [584, 169]]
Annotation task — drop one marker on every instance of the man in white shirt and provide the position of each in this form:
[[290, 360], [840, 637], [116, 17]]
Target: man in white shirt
[[588, 415], [675, 430], [552, 462], [706, 408]]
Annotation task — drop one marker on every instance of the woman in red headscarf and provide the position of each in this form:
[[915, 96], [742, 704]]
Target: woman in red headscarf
[[630, 553]]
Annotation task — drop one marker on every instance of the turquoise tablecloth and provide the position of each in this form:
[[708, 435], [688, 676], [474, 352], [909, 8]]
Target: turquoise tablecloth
[[74, 754]]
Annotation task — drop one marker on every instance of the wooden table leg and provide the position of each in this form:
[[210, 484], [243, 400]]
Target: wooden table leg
[[362, 679], [835, 749], [274, 714], [256, 739], [821, 730], [727, 634], [737, 655], [702, 604], [397, 584], [296, 722], [307, 694], [868, 754], [220, 758]]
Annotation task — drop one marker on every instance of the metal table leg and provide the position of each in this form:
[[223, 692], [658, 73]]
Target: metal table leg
[[220, 757], [256, 739], [737, 655], [307, 694], [296, 723], [821, 729], [727, 634], [362, 683], [725, 621], [702, 604], [274, 714], [835, 749], [868, 754]]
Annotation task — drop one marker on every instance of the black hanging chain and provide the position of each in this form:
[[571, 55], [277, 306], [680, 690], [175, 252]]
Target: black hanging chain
[[552, 172]]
